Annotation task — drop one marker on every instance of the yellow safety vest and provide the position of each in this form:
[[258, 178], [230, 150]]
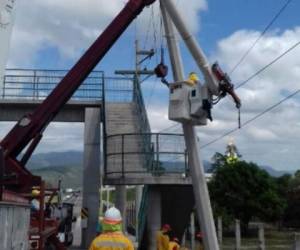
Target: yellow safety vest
[[111, 241], [162, 241], [174, 245]]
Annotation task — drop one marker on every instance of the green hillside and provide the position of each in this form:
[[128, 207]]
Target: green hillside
[[71, 176]]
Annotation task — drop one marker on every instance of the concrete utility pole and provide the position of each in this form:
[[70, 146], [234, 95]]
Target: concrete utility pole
[[220, 231], [203, 206], [91, 174], [261, 237], [153, 216], [237, 235], [140, 57], [138, 72], [120, 203], [193, 246]]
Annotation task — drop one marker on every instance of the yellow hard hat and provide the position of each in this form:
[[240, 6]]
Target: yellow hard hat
[[193, 77], [35, 192]]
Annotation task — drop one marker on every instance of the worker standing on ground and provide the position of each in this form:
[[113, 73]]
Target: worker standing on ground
[[112, 237], [162, 237], [174, 244], [199, 237]]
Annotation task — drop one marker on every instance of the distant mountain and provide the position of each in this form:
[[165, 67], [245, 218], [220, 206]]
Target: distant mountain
[[67, 166], [71, 176], [55, 159], [276, 173], [176, 166]]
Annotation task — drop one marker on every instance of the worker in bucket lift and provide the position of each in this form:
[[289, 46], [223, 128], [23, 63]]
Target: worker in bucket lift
[[193, 79], [111, 237], [174, 244], [162, 237]]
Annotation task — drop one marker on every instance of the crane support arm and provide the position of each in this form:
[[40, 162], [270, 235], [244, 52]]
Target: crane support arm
[[193, 46]]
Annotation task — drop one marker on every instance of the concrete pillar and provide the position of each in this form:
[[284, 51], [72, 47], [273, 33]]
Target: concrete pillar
[[296, 242], [193, 246], [261, 237], [120, 203], [220, 230], [91, 173], [138, 200], [153, 216], [1, 171], [237, 235]]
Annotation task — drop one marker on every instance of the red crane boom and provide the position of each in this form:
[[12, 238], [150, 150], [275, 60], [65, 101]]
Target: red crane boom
[[29, 129]]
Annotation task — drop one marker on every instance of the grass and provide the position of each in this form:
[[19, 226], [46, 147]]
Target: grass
[[274, 240]]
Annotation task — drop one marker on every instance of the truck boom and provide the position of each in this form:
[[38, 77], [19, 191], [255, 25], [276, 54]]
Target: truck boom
[[29, 129]]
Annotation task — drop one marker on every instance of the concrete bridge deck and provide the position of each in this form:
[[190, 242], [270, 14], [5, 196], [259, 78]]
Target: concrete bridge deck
[[73, 111]]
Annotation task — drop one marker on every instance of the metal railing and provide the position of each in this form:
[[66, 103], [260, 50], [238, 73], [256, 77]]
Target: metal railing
[[166, 155], [38, 84], [144, 125]]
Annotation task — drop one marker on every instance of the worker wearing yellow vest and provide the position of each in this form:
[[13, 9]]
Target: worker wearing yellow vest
[[192, 80], [174, 244], [162, 237], [112, 237]]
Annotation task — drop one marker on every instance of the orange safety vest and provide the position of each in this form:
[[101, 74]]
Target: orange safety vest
[[111, 241]]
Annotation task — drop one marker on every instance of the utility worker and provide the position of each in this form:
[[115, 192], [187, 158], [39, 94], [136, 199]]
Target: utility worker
[[35, 203], [162, 237], [112, 237], [193, 79], [174, 244], [199, 237]]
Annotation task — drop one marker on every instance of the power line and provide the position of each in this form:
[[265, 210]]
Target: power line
[[170, 127], [268, 65], [252, 119], [261, 35], [253, 76]]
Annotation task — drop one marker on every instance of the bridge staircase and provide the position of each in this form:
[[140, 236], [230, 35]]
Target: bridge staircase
[[135, 156]]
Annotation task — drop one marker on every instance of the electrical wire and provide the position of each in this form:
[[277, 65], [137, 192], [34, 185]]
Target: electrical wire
[[148, 31], [253, 118], [268, 65], [169, 128], [254, 75], [261, 35]]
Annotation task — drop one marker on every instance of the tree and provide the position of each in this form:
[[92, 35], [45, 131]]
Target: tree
[[242, 190]]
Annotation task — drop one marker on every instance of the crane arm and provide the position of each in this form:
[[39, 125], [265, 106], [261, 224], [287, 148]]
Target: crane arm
[[32, 125]]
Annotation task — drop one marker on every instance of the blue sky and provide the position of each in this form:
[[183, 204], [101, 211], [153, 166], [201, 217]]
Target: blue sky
[[53, 34], [221, 19]]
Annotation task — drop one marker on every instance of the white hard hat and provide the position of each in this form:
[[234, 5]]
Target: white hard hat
[[112, 216]]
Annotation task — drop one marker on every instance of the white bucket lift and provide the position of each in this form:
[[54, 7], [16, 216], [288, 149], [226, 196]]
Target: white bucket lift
[[186, 103]]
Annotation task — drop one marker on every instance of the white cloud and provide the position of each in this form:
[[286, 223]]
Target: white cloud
[[271, 139], [71, 26]]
